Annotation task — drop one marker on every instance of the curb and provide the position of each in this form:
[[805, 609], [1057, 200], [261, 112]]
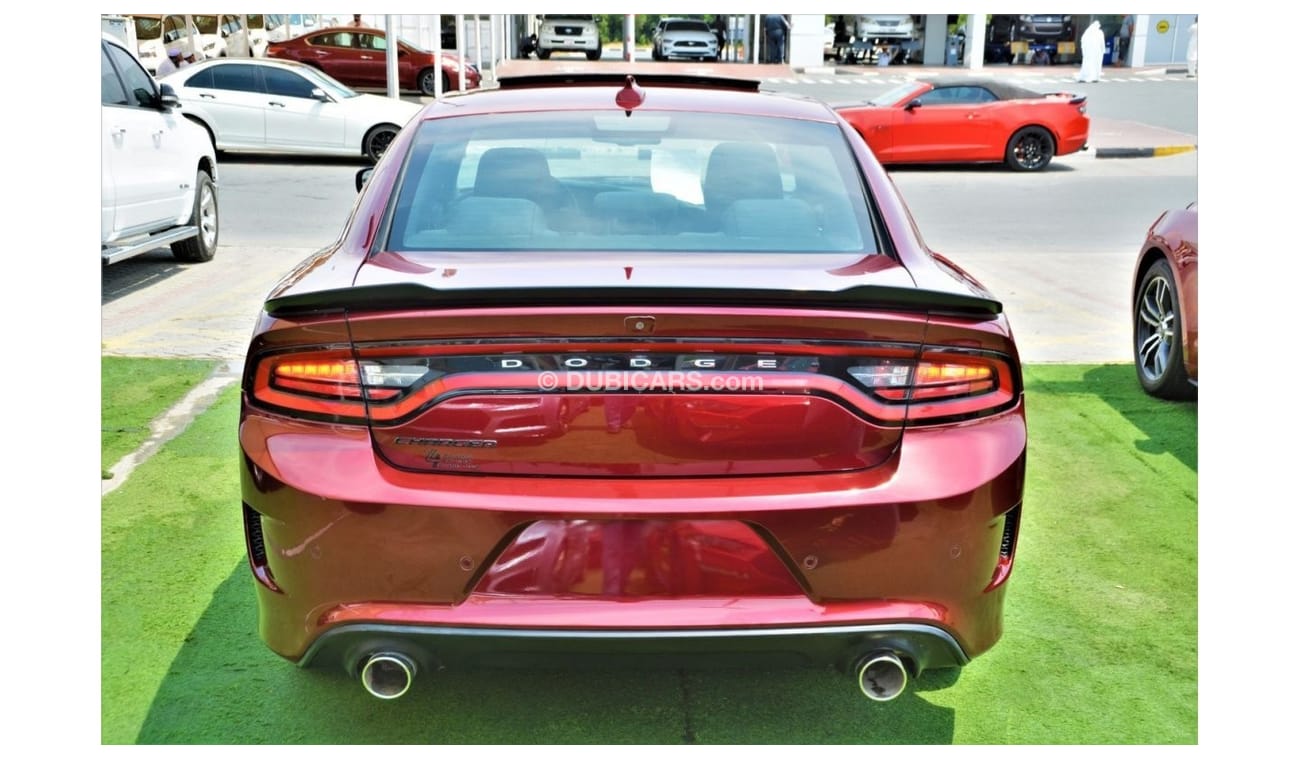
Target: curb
[[1165, 150]]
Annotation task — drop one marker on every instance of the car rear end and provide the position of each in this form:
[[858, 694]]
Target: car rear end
[[492, 427], [1069, 122]]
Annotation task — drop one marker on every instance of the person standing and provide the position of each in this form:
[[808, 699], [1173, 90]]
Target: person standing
[[1125, 38], [841, 37], [720, 32], [775, 26], [1192, 57], [171, 64], [1093, 47]]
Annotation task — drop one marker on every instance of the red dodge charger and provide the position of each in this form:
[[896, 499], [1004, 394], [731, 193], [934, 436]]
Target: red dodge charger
[[651, 367]]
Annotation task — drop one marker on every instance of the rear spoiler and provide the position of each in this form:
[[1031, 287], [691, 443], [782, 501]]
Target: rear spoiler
[[1075, 99], [412, 296], [606, 78]]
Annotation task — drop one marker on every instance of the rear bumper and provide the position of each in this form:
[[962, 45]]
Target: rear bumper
[[348, 548], [433, 647]]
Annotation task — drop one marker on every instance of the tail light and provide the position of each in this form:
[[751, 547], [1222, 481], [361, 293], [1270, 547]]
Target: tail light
[[333, 385], [939, 387], [897, 385]]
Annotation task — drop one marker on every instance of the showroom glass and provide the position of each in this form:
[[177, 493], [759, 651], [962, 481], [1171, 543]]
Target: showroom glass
[[647, 181]]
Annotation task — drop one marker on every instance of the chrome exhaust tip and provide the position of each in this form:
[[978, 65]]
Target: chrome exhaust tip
[[387, 675], [882, 676]]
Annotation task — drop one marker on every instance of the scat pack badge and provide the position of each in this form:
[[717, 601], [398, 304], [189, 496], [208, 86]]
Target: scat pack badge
[[450, 462]]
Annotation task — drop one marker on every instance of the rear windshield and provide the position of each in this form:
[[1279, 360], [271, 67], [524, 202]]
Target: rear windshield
[[652, 181]]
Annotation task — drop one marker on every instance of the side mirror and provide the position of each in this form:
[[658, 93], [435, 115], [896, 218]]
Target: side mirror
[[913, 103], [320, 95], [363, 176], [167, 98]]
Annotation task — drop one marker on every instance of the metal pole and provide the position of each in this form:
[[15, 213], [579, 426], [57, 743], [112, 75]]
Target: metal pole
[[629, 37], [390, 56], [437, 54], [460, 50], [478, 44], [753, 56], [492, 41]]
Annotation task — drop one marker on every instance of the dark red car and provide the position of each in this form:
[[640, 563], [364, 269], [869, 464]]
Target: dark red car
[[967, 120], [358, 57], [1164, 298], [604, 367]]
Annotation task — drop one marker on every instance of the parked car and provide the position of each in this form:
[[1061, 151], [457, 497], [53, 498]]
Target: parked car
[[1043, 28], [258, 36], [158, 172], [886, 27], [274, 106], [281, 27], [154, 34], [684, 38], [358, 57], [1164, 299], [801, 432], [965, 120], [573, 32]]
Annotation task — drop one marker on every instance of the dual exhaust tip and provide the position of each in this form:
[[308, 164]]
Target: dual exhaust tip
[[387, 675], [882, 676]]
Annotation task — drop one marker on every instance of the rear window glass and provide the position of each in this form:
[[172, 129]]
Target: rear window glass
[[653, 181]]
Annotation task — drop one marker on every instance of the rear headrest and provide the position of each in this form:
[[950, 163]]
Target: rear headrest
[[741, 170], [512, 172]]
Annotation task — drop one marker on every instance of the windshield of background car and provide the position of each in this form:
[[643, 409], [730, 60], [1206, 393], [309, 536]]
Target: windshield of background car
[[893, 96], [147, 28], [648, 181], [206, 24], [687, 26], [329, 84]]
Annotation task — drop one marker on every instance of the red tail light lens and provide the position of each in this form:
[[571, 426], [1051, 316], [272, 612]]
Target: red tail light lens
[[940, 387], [332, 384]]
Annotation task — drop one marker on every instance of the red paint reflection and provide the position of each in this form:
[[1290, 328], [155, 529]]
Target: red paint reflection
[[638, 558]]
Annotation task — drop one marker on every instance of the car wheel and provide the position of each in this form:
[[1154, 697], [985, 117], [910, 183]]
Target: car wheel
[[1158, 335], [204, 216], [593, 55], [1030, 149], [377, 141], [543, 55], [428, 83]]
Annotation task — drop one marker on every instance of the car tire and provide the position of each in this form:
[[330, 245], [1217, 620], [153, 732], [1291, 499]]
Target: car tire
[[377, 141], [543, 55], [203, 246], [428, 84], [1030, 149], [593, 55], [1158, 335]]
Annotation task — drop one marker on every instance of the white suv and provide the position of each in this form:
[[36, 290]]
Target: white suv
[[158, 170], [568, 31]]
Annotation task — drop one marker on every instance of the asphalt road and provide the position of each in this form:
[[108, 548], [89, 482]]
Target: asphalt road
[[1057, 246]]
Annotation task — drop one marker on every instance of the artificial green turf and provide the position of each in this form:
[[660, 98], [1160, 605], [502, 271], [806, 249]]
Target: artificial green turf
[[134, 392], [1100, 643]]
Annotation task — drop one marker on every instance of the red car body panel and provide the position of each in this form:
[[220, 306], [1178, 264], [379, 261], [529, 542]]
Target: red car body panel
[[964, 133], [476, 507], [1174, 237], [361, 67]]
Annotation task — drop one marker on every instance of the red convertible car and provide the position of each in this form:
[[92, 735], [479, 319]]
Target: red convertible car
[[965, 120], [358, 57], [1164, 298], [651, 368]]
